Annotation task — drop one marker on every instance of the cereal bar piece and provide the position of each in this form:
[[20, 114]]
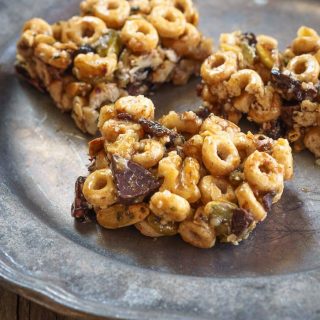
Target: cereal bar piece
[[113, 48], [199, 177], [278, 91]]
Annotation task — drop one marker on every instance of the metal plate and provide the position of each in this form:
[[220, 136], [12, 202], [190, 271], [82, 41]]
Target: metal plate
[[48, 257]]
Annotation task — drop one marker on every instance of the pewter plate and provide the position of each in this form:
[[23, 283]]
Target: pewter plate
[[85, 270]]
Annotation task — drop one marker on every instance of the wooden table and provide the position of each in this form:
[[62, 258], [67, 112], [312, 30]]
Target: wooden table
[[15, 307]]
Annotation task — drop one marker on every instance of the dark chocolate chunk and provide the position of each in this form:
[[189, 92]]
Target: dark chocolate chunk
[[80, 208], [267, 201], [250, 38], [291, 88], [125, 116], [241, 220], [95, 146], [203, 112], [134, 183]]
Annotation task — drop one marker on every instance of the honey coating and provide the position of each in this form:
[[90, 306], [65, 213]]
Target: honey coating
[[210, 181], [249, 77], [113, 48]]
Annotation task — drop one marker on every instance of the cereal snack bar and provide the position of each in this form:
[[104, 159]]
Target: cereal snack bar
[[277, 90], [112, 49], [192, 174]]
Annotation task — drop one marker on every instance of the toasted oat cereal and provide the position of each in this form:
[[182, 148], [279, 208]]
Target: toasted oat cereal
[[200, 177], [113, 48]]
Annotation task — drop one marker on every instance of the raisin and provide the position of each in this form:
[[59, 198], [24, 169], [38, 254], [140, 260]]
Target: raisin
[[125, 116], [202, 112], [133, 182], [250, 38], [291, 88], [155, 128]]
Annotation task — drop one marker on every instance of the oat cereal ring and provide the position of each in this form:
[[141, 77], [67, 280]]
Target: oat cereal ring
[[99, 188], [216, 125], [307, 41], [245, 80], [219, 67], [305, 68], [112, 128], [113, 12], [197, 234], [91, 67], [220, 156], [248, 201], [149, 153], [169, 21], [187, 121], [185, 44], [188, 9], [169, 206], [38, 26], [213, 189], [83, 30], [60, 59], [119, 216], [312, 140], [138, 107], [263, 172], [281, 151], [139, 35]]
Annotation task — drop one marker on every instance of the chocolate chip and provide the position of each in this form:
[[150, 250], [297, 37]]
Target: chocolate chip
[[134, 183], [292, 89], [95, 146], [80, 208], [250, 38], [241, 220], [267, 201], [203, 112]]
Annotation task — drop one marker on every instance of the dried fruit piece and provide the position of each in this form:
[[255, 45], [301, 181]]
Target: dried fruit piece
[[155, 128], [291, 88], [241, 220], [134, 183], [80, 208], [250, 38], [267, 201]]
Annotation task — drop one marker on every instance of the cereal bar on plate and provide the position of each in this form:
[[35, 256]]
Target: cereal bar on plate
[[114, 47], [277, 90], [193, 174]]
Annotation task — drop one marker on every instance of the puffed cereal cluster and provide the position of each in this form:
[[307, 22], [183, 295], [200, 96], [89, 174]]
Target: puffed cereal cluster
[[278, 91], [192, 174], [113, 48]]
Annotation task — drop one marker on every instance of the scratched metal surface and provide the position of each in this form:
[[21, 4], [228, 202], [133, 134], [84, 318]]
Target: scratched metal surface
[[84, 269]]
